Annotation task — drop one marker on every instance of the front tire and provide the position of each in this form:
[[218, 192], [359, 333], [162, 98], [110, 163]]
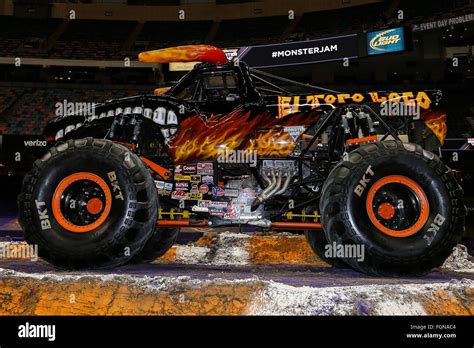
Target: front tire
[[88, 203], [398, 203]]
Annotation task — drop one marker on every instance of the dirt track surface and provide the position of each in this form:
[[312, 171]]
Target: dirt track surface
[[232, 274], [37, 288], [294, 275]]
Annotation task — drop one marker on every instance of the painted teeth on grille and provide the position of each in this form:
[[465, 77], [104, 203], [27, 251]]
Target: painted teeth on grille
[[59, 134], [148, 113], [160, 116], [69, 128]]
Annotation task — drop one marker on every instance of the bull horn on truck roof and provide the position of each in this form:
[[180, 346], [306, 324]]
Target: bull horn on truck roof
[[190, 53]]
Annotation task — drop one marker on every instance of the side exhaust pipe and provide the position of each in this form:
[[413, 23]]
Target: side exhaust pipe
[[276, 184]]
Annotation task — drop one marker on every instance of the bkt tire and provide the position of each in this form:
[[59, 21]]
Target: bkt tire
[[162, 239], [318, 243], [88, 203], [392, 209]]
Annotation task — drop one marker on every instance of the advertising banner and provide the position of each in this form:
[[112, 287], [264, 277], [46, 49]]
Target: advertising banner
[[443, 23], [386, 41], [295, 53]]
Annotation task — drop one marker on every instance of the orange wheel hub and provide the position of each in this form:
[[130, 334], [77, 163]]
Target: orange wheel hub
[[73, 207], [408, 211], [94, 206], [386, 211]]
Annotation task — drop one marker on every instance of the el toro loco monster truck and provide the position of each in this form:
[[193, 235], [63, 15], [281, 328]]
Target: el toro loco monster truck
[[214, 150]]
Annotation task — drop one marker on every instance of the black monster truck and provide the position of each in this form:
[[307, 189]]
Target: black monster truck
[[226, 146]]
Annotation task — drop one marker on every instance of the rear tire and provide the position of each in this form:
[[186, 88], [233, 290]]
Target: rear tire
[[159, 243], [400, 203], [88, 203]]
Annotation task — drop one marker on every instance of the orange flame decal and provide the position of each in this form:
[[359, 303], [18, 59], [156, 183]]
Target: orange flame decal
[[190, 53], [199, 138], [436, 121]]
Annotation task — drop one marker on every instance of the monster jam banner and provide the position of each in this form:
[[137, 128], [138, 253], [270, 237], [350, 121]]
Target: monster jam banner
[[386, 41], [295, 53]]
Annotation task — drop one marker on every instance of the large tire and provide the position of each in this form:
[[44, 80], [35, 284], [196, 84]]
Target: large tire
[[159, 243], [318, 242], [162, 240], [88, 203], [409, 238]]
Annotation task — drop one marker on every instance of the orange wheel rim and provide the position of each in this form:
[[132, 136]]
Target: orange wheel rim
[[94, 205], [387, 211]]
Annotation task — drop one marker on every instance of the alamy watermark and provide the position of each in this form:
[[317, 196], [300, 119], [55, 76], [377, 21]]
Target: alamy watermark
[[391, 108], [237, 156], [68, 108], [28, 330], [19, 251], [346, 251]]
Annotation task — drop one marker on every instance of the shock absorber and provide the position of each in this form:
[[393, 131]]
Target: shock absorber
[[113, 128], [136, 130], [365, 122]]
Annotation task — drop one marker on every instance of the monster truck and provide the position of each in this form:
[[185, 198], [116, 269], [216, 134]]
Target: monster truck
[[226, 145]]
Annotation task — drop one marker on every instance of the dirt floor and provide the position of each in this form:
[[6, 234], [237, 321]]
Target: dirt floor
[[232, 274]]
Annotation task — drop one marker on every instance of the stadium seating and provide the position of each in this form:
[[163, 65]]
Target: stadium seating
[[424, 10], [156, 35], [242, 32], [38, 105], [25, 37], [107, 39], [93, 39], [349, 20]]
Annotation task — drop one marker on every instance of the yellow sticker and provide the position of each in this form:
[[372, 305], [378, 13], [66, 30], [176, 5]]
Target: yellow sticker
[[180, 177], [193, 196]]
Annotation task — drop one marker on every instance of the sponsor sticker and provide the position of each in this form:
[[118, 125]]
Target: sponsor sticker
[[182, 186], [193, 196], [182, 177], [218, 191], [231, 216], [205, 166], [235, 208], [178, 169], [159, 184], [208, 179], [204, 203], [178, 195], [189, 169], [219, 205], [216, 212], [231, 192], [204, 189], [165, 192], [168, 186], [195, 178], [194, 188], [205, 171]]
